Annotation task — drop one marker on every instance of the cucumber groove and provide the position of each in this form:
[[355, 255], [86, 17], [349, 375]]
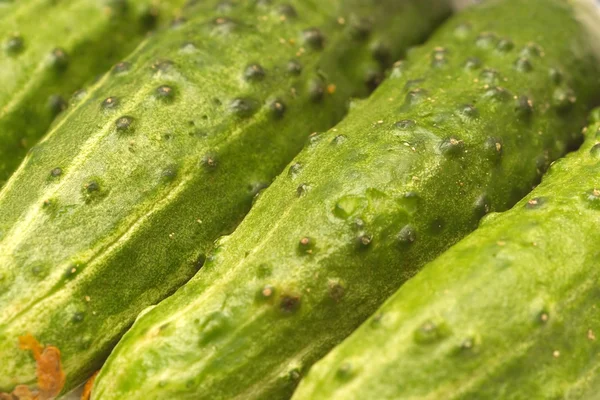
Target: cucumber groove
[[509, 312], [116, 207], [44, 62], [466, 126]]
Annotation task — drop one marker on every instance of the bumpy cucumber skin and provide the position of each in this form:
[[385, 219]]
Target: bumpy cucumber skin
[[49, 49], [114, 209], [364, 206], [510, 312]]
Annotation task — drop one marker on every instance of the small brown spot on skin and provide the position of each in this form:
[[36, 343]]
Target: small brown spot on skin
[[109, 102], [428, 327], [59, 53], [120, 67], [211, 162], [590, 335]]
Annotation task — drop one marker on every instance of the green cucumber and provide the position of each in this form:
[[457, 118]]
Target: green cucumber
[[509, 312], [466, 127], [49, 49], [116, 207]]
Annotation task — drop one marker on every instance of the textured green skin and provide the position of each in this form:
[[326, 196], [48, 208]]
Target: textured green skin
[[263, 309], [520, 288], [30, 80], [160, 202]]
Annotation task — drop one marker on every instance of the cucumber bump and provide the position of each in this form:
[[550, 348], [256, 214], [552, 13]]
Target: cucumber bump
[[46, 53], [465, 126], [508, 312], [117, 206]]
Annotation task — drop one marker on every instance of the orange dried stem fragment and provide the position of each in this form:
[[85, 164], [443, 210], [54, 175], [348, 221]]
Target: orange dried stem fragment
[[28, 342], [50, 375], [21, 392], [87, 389]]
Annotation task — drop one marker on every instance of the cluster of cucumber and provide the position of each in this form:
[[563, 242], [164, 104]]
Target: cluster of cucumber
[[218, 215]]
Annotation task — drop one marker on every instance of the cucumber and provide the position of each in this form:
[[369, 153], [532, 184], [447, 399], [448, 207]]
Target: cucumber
[[509, 312], [116, 207], [465, 127], [49, 48]]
